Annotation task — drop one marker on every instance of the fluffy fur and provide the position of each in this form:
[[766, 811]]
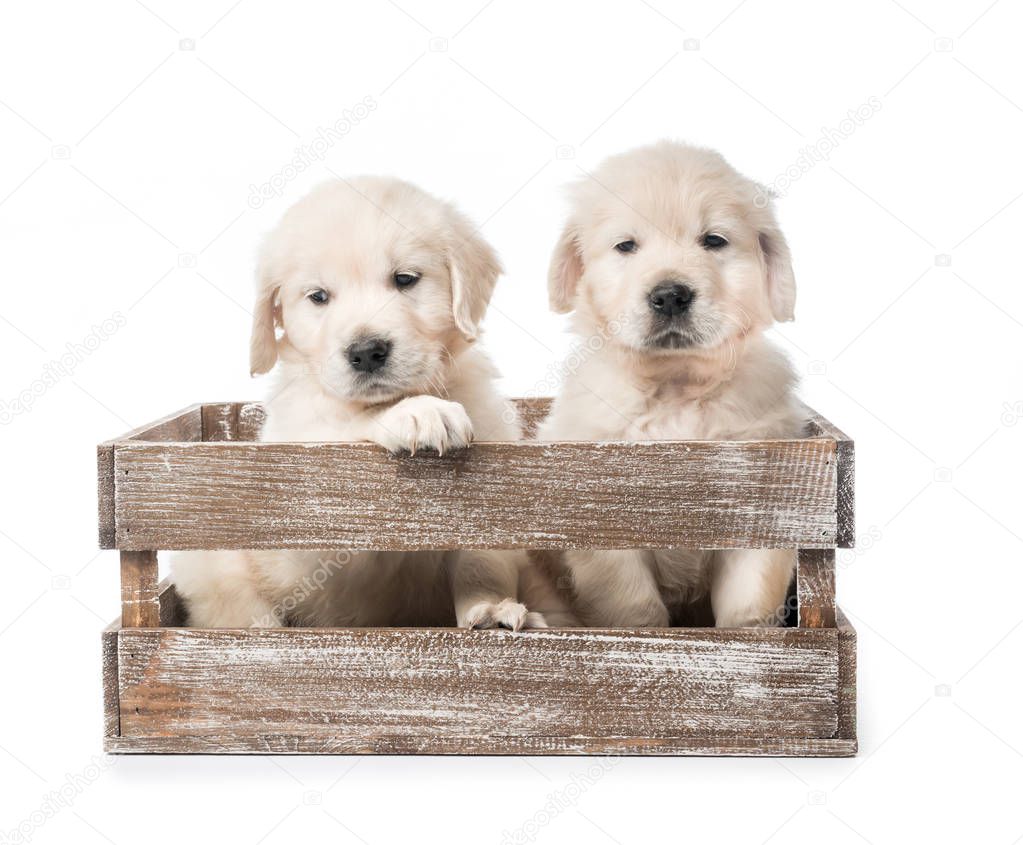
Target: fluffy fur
[[327, 281], [707, 373]]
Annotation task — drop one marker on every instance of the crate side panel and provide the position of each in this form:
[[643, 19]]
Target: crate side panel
[[111, 704], [820, 426], [367, 683], [173, 613], [232, 421], [699, 494], [105, 495], [846, 481], [183, 424], [846, 679], [815, 587]]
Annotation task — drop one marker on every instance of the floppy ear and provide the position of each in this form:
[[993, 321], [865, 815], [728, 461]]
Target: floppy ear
[[263, 345], [781, 283], [474, 270], [565, 270]]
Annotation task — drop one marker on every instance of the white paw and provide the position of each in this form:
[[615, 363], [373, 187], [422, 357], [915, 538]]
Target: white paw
[[505, 614], [424, 422]]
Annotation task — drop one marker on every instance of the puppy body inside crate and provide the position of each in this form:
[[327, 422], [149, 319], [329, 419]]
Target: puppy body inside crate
[[677, 263], [370, 294]]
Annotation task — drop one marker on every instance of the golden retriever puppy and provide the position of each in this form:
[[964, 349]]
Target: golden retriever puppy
[[673, 258], [370, 294]]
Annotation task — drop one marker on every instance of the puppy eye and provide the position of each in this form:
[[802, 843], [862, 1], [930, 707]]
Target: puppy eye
[[627, 246], [319, 296], [712, 240], [406, 280]]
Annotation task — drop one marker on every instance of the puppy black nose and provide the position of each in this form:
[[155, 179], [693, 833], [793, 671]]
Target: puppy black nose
[[670, 299], [368, 355]]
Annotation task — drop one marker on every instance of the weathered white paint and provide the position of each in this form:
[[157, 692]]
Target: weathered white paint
[[698, 494], [448, 682]]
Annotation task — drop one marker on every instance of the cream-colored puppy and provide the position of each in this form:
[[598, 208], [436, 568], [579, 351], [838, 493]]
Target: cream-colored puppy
[[672, 257], [370, 294]]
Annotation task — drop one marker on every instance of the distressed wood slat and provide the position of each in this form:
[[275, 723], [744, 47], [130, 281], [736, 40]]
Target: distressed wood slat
[[239, 422], [370, 684], [845, 476], [526, 745], [841, 742], [815, 587], [182, 425], [111, 695], [703, 494], [232, 421], [846, 679], [140, 603], [105, 495], [172, 608]]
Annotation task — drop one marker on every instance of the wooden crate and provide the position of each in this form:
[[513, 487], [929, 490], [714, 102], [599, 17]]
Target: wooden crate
[[198, 480]]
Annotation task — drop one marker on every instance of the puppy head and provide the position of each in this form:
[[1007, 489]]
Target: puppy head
[[673, 245], [371, 286]]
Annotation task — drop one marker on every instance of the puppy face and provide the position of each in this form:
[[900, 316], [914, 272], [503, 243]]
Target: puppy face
[[670, 242], [371, 286]]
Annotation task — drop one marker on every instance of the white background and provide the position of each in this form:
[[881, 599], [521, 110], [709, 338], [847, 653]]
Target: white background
[[128, 156]]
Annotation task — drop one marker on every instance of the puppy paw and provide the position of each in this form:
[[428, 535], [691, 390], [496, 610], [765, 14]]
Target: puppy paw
[[505, 614], [424, 422]]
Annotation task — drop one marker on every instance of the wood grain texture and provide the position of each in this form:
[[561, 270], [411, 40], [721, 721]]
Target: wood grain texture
[[111, 695], [846, 679], [815, 587], [841, 742], [140, 605], [232, 421], [105, 495], [785, 692], [172, 609], [185, 424], [525, 745], [845, 476], [701, 494], [431, 501], [846, 481], [402, 683]]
